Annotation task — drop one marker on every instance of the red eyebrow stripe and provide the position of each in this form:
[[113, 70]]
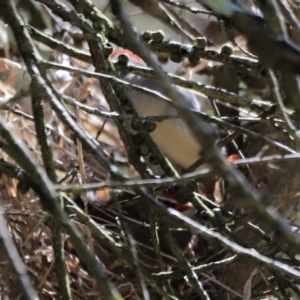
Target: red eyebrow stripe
[[130, 54], [233, 157]]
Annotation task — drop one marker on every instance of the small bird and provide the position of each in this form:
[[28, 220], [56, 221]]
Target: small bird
[[172, 136], [177, 143]]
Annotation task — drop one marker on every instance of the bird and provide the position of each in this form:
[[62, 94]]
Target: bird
[[175, 140]]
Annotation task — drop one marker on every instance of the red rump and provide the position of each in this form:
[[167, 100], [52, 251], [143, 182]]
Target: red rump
[[175, 205], [119, 51]]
